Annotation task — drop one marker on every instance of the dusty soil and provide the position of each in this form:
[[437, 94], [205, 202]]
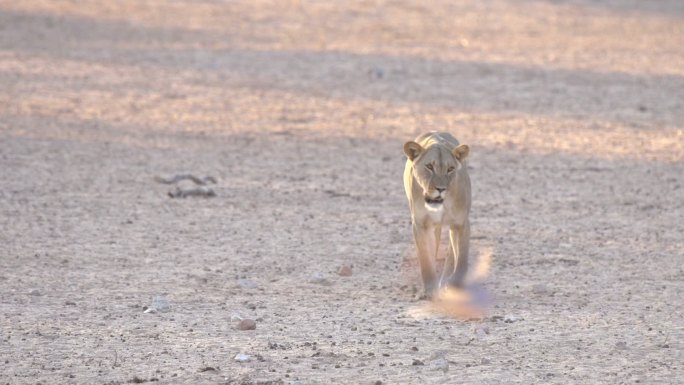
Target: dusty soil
[[574, 111]]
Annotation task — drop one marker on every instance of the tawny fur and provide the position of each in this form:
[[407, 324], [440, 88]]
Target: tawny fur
[[438, 190]]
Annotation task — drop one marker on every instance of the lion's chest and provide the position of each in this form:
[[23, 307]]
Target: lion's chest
[[436, 214]]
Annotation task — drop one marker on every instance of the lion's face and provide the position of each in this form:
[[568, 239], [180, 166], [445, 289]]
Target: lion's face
[[435, 169]]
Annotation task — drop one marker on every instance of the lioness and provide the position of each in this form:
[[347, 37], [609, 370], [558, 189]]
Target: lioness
[[438, 191]]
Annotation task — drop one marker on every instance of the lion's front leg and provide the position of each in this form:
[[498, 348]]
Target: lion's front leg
[[426, 248], [460, 244], [448, 266]]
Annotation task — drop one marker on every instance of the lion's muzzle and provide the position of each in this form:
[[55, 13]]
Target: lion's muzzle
[[434, 201], [435, 197]]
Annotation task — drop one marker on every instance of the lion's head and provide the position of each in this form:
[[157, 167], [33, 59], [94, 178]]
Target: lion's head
[[435, 168]]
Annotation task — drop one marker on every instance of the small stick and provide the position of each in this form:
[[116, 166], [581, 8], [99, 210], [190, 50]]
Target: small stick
[[180, 177]]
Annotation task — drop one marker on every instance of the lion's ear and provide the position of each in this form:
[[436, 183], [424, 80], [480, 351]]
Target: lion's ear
[[412, 150], [461, 152]]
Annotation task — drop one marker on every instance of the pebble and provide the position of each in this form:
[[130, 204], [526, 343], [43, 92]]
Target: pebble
[[417, 362], [485, 361], [235, 317], [242, 357], [246, 324], [511, 318], [621, 345], [247, 284], [344, 271], [440, 364], [438, 354], [320, 279], [481, 330], [160, 303], [34, 292]]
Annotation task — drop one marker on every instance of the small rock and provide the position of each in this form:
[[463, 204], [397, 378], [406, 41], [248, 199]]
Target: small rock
[[70, 303], [320, 279], [242, 357], [417, 362], [511, 318], [438, 354], [160, 303], [485, 361], [247, 284], [35, 292], [481, 330], [246, 324], [440, 364], [235, 317], [344, 271], [621, 345]]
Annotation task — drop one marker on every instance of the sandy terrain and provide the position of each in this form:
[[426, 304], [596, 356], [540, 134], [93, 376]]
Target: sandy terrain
[[574, 111]]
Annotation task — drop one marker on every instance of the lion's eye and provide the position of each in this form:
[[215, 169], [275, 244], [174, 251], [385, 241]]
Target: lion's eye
[[429, 167], [451, 169]]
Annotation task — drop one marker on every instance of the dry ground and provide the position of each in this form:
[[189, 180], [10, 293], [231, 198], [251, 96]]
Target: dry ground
[[574, 111]]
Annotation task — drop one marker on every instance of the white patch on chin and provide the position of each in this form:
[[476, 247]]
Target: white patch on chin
[[436, 212]]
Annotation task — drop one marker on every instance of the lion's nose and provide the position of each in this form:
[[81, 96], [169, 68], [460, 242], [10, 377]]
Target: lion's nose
[[439, 189]]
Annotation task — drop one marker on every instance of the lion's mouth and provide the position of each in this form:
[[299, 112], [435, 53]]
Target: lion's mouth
[[434, 201]]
